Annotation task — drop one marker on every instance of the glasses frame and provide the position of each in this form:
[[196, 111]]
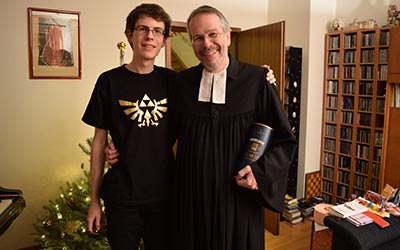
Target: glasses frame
[[144, 30], [211, 36]]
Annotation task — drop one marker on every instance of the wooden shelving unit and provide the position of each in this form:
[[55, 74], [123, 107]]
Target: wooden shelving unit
[[392, 123], [356, 71]]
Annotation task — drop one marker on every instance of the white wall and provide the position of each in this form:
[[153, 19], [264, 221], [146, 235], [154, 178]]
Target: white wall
[[364, 9], [322, 12]]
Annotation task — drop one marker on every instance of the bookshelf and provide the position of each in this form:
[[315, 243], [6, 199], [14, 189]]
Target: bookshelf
[[392, 109], [355, 82]]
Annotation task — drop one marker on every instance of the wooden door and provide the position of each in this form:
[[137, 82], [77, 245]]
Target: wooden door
[[264, 45]]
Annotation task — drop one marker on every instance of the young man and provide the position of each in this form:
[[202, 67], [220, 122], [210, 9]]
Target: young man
[[131, 103], [202, 233], [216, 103]]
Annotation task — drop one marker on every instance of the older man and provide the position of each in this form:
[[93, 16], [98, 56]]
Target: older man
[[216, 103]]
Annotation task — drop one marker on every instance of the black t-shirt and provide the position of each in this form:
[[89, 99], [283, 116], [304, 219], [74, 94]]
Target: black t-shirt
[[134, 108]]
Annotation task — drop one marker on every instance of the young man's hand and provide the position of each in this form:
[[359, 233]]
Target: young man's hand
[[270, 75], [94, 217]]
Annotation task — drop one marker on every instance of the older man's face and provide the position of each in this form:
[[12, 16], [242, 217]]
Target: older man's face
[[210, 44]]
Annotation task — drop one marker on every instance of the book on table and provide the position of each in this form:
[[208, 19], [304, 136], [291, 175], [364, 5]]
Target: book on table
[[359, 219], [347, 209]]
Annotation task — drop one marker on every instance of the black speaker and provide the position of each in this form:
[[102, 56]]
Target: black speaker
[[292, 100]]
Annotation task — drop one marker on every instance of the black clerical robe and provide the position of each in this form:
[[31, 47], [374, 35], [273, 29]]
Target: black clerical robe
[[211, 211]]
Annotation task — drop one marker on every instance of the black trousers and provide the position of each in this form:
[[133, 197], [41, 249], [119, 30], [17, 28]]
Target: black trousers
[[127, 225]]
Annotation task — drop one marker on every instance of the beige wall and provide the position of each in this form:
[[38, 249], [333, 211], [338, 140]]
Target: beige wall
[[40, 119]]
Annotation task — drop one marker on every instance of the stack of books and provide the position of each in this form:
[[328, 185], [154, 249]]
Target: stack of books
[[306, 207], [291, 212]]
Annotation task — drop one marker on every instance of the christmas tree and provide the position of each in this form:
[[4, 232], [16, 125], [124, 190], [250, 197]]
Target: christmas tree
[[64, 225]]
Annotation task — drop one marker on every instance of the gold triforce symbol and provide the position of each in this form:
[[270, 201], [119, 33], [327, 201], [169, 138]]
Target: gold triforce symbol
[[147, 112]]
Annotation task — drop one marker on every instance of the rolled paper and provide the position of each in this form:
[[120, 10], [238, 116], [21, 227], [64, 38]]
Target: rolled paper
[[258, 139], [320, 212]]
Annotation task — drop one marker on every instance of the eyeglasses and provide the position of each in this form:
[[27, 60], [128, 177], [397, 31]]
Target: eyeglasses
[[144, 30], [199, 39]]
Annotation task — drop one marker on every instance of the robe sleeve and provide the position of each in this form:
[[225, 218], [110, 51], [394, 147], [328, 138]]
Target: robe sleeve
[[271, 170]]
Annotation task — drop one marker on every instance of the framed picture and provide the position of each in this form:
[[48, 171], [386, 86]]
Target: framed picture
[[54, 44]]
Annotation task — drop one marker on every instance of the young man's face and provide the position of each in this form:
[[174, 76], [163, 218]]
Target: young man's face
[[147, 44], [210, 44]]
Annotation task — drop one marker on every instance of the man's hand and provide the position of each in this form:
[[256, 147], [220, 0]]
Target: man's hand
[[112, 154], [270, 75], [246, 179]]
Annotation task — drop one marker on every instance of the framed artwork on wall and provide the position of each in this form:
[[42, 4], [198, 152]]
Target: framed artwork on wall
[[54, 44]]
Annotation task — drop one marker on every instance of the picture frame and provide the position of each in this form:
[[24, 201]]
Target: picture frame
[[54, 44]]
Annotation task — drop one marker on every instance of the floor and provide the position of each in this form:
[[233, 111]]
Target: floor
[[297, 237]]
